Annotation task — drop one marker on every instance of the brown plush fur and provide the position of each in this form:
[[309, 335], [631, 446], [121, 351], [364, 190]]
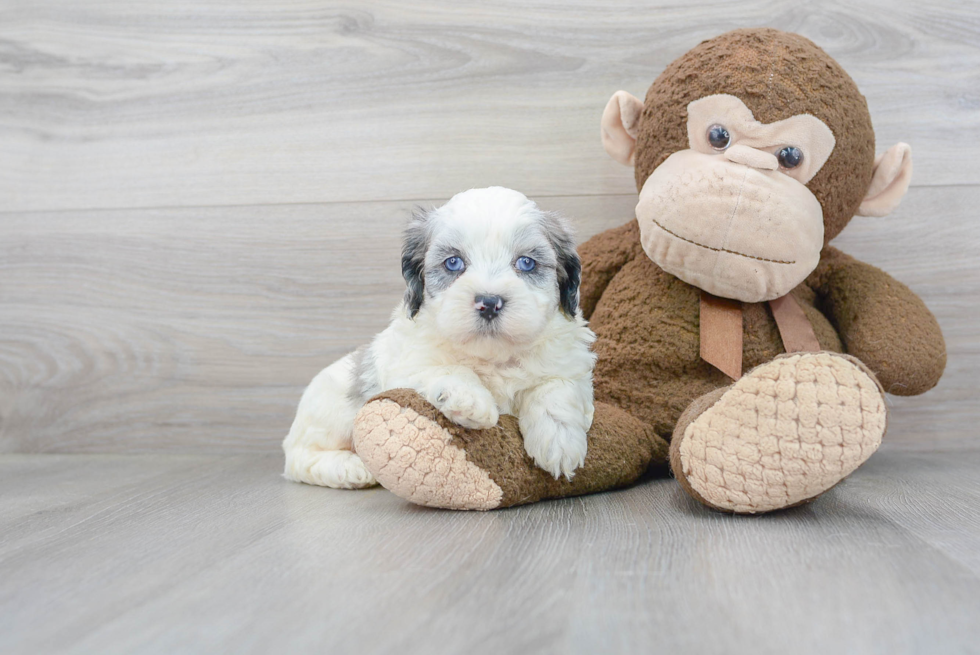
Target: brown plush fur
[[647, 324], [885, 325], [649, 368], [647, 320], [620, 450], [776, 75]]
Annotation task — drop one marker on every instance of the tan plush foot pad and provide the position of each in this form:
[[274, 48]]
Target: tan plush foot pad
[[785, 432], [420, 465]]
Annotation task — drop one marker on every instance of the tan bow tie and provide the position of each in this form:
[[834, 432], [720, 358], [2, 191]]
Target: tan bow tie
[[721, 331]]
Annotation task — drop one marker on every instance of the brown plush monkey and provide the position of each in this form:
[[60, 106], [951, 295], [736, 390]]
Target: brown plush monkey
[[752, 151]]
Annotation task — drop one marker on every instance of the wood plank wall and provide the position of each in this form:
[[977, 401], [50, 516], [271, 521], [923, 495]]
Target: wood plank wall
[[200, 202]]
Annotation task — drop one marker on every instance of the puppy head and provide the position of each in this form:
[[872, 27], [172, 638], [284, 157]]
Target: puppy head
[[489, 265]]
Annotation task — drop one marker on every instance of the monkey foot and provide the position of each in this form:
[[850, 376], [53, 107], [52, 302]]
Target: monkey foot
[[781, 435], [420, 455], [417, 460]]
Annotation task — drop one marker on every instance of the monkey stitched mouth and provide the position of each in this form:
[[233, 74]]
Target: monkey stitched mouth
[[730, 252]]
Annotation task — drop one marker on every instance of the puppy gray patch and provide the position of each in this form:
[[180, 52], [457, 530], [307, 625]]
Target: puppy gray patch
[[531, 241], [437, 276], [545, 271], [364, 376]]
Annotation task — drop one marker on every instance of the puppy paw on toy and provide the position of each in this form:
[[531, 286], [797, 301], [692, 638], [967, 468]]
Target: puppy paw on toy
[[464, 400]]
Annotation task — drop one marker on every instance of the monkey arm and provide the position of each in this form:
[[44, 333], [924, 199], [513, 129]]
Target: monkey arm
[[881, 322], [602, 257]]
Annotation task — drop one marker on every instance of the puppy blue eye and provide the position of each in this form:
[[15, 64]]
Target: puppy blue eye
[[453, 264], [526, 264]]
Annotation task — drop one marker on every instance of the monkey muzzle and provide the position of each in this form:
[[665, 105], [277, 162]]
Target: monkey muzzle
[[734, 230]]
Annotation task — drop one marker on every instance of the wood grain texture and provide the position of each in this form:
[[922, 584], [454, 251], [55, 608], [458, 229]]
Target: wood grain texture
[[200, 207], [188, 329], [115, 103], [165, 554], [197, 329]]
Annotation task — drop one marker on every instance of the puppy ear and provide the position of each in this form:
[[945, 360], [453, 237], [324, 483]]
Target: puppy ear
[[414, 247], [569, 282], [569, 266]]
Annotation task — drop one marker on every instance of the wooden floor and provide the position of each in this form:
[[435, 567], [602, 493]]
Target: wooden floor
[[200, 207], [199, 553]]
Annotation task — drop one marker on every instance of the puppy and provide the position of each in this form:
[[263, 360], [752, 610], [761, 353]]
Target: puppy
[[489, 325]]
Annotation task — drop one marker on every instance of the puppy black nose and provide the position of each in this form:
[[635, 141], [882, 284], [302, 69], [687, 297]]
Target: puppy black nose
[[488, 306]]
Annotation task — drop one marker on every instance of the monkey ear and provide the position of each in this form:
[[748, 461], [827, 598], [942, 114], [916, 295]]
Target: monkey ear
[[892, 174], [619, 122]]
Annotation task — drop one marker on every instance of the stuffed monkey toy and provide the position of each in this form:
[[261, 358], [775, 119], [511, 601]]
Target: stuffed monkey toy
[[733, 342]]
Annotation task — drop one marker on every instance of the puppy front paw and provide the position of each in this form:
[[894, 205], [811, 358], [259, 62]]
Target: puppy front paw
[[468, 405], [559, 448]]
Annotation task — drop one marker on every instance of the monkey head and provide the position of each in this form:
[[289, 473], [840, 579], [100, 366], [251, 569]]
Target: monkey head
[[752, 151]]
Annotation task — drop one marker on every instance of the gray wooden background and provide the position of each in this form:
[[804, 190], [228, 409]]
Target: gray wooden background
[[200, 202], [200, 207]]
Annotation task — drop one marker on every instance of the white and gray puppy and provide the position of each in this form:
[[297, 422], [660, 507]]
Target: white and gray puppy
[[489, 325]]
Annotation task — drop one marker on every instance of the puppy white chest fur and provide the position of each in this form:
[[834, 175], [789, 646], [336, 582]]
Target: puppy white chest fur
[[489, 325], [409, 351]]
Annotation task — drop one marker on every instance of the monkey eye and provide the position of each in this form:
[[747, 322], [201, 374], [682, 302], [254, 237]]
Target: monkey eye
[[790, 157], [718, 137], [454, 264]]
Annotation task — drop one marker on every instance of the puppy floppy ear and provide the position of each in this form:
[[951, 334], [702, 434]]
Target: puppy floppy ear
[[414, 247], [569, 268]]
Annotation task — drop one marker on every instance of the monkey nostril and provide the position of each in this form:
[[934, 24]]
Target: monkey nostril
[[488, 306]]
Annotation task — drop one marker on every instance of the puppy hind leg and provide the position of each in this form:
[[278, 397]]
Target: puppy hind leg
[[318, 447], [339, 469]]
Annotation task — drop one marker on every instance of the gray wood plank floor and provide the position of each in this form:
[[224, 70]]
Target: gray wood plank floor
[[167, 554]]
